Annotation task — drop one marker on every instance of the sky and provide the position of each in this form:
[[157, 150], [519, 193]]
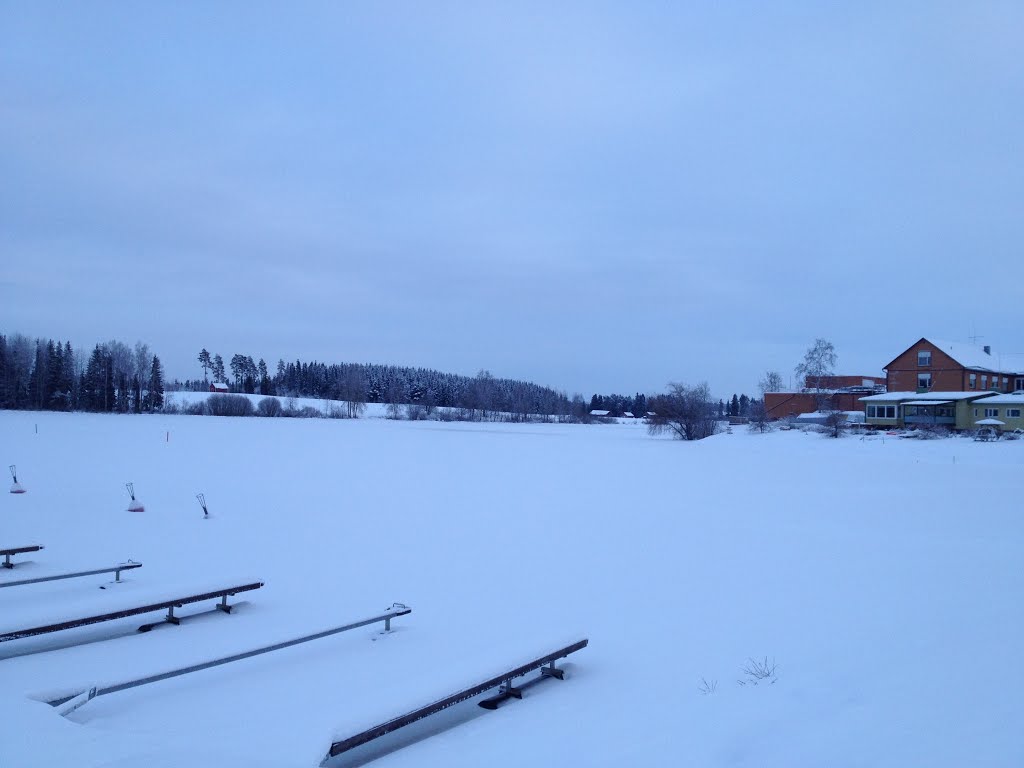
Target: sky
[[598, 197]]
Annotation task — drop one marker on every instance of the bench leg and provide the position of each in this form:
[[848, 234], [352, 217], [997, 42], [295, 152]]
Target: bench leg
[[552, 671], [171, 618], [223, 604], [7, 561]]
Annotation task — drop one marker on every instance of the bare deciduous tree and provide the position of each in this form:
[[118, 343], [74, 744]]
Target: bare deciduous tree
[[770, 382], [688, 413], [818, 365], [759, 421]]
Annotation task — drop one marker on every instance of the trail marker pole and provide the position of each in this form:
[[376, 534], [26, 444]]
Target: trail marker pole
[[16, 487], [136, 505]]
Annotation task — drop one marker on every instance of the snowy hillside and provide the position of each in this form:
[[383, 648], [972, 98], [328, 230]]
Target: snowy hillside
[[881, 576]]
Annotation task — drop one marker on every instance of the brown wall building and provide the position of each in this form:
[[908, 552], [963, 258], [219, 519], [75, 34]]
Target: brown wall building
[[782, 405], [929, 364]]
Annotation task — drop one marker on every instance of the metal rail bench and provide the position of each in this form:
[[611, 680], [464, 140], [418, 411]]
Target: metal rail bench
[[170, 605], [546, 664], [17, 551], [69, 703], [116, 570]]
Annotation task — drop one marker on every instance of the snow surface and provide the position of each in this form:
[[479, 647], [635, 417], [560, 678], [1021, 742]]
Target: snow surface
[[882, 576]]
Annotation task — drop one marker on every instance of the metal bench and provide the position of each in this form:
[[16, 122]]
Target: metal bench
[[17, 551], [545, 663], [170, 605], [69, 703], [116, 570]]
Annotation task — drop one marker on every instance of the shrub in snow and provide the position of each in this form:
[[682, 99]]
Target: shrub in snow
[[229, 405], [305, 412], [757, 671], [197, 408], [415, 412], [269, 406]]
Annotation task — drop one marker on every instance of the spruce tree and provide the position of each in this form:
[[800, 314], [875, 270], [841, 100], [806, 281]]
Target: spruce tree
[[156, 386]]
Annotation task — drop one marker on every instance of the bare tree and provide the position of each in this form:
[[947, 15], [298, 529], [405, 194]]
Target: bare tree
[[770, 382], [818, 365], [759, 421], [836, 424], [687, 413]]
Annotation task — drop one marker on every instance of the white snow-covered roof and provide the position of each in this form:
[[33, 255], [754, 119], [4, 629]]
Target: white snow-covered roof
[[990, 423], [599, 413], [968, 355], [899, 397], [1016, 398], [220, 385]]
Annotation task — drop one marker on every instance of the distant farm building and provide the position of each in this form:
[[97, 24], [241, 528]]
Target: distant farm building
[[219, 386]]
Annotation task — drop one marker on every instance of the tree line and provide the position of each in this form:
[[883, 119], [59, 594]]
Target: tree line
[[482, 396], [44, 374]]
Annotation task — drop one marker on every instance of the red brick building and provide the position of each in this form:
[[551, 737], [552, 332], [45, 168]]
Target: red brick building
[[943, 366], [842, 393]]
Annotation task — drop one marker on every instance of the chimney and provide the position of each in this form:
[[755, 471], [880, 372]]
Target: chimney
[[988, 349]]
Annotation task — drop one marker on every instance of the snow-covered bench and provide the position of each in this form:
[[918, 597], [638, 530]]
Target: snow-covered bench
[[17, 551], [116, 570], [503, 682], [168, 601]]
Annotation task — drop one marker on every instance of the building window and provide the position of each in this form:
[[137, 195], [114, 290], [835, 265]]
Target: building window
[[924, 381], [1006, 383], [973, 382], [984, 381], [881, 411], [991, 413], [924, 358], [1019, 384], [1013, 413], [975, 413]]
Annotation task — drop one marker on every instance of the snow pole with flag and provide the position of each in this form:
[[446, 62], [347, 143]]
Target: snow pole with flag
[[16, 487], [135, 505]]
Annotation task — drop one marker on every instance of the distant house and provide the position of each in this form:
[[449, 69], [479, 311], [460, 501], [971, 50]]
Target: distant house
[[219, 386], [600, 414], [930, 364]]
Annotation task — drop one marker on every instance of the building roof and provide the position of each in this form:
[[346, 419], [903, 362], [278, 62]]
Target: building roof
[[968, 355], [599, 413], [1016, 398], [929, 398]]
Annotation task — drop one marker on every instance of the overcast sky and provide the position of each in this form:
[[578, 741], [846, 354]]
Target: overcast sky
[[596, 197]]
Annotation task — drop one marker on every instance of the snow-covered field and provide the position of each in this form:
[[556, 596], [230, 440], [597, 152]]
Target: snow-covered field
[[882, 576]]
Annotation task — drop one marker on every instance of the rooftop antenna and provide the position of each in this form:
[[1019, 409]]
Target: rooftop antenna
[[17, 487], [136, 505], [202, 503]]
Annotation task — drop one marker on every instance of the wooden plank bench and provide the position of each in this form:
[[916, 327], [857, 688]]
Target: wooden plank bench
[[545, 663], [160, 605], [116, 570], [17, 551]]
